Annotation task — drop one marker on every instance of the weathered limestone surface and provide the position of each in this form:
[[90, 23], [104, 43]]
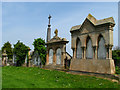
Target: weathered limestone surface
[[50, 56], [93, 65], [56, 52], [79, 50], [96, 37]]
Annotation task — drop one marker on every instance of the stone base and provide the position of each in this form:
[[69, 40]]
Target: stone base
[[52, 66], [92, 65]]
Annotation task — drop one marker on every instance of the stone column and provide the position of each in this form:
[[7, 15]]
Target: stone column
[[47, 57], [84, 50], [74, 52], [95, 52]]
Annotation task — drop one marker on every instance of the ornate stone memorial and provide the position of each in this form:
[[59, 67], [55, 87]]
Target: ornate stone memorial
[[92, 44], [56, 50]]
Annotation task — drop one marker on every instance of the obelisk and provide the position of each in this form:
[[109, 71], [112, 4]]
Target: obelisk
[[49, 30]]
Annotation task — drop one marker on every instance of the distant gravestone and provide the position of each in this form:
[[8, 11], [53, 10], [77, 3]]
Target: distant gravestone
[[50, 56], [58, 59], [89, 51]]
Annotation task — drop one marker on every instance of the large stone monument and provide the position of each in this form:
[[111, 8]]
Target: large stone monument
[[56, 50], [92, 44]]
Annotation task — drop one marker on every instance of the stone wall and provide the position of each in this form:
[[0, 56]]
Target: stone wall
[[93, 65]]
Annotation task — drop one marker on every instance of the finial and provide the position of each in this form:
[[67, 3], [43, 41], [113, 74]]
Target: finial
[[49, 20], [56, 32]]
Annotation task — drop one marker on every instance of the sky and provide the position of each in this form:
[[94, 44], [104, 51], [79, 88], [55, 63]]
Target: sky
[[119, 24], [26, 21]]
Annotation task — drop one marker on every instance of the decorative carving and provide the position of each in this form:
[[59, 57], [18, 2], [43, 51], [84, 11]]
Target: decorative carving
[[56, 32]]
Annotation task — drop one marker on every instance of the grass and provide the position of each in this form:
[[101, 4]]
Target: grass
[[23, 77]]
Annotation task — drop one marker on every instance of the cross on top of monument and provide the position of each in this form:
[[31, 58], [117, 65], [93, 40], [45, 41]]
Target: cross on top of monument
[[49, 19]]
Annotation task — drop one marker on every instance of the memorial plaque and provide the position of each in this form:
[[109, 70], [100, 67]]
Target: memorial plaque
[[50, 56]]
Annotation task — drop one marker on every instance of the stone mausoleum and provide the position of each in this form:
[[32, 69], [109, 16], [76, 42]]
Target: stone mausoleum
[[92, 44], [56, 50]]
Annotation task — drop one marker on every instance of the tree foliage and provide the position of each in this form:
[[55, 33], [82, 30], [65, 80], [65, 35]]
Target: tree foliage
[[116, 56], [8, 47], [20, 50], [39, 45]]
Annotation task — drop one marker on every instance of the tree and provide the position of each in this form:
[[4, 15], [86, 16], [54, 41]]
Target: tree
[[0, 53], [39, 45], [8, 48], [116, 55], [20, 50]]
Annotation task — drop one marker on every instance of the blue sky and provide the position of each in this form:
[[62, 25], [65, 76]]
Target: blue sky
[[28, 21]]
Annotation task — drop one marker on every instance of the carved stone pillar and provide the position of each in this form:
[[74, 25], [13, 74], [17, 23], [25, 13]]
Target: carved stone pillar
[[95, 55], [84, 50], [109, 51], [74, 52]]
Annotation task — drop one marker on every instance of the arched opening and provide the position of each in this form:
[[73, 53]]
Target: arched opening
[[58, 55], [50, 56], [78, 49], [89, 48], [101, 48]]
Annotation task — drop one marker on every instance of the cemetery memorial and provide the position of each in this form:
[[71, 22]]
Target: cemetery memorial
[[92, 44], [56, 50], [4, 58]]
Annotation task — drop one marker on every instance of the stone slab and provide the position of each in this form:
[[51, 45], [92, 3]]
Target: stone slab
[[92, 65]]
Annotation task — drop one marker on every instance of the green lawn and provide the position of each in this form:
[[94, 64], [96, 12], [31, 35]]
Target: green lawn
[[23, 77]]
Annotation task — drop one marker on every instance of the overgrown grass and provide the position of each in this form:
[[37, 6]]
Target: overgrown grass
[[23, 77]]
